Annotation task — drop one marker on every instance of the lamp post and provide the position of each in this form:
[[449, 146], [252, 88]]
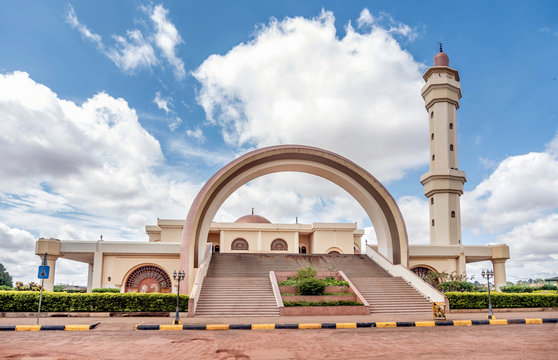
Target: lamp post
[[487, 274], [178, 277]]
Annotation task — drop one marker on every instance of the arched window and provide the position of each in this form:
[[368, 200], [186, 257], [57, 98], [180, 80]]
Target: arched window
[[148, 279], [303, 249], [432, 114], [433, 157], [451, 126], [279, 245], [426, 274], [239, 244], [432, 201], [217, 248], [432, 136], [334, 252], [451, 147], [432, 222], [453, 214]]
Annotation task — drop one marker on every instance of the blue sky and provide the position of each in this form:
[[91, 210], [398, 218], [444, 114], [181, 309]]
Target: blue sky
[[115, 113]]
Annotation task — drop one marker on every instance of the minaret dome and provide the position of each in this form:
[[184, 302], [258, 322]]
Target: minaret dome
[[441, 58]]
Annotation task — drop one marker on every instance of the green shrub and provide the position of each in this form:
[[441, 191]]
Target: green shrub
[[460, 286], [526, 288], [6, 287], [27, 301], [478, 300], [106, 290], [289, 282], [311, 286], [307, 272], [321, 303], [335, 282]]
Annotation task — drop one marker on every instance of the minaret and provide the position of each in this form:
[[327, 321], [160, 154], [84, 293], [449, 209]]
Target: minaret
[[443, 184]]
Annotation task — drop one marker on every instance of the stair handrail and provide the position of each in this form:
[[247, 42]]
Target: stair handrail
[[276, 291], [427, 290], [200, 276]]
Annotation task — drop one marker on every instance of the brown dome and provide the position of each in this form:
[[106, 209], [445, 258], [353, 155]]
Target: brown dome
[[253, 219], [441, 58]]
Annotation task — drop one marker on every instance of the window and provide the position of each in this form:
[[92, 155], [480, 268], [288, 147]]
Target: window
[[279, 245], [432, 201], [432, 136], [451, 147], [433, 157], [432, 114], [453, 214], [239, 244], [148, 279], [217, 248], [432, 222], [303, 250], [451, 126]]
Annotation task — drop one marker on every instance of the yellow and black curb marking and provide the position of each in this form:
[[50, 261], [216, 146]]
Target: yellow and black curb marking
[[347, 325], [47, 327]]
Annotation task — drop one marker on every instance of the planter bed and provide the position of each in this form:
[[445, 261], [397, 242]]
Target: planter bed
[[319, 298], [328, 289], [323, 310]]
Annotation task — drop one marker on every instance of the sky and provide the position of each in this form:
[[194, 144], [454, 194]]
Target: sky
[[114, 114]]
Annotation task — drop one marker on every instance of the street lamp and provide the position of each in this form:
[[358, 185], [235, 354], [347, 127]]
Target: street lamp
[[487, 274], [178, 277]]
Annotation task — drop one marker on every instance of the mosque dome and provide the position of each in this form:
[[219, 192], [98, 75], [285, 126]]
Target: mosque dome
[[253, 219]]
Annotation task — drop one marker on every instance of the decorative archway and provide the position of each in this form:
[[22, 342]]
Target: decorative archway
[[279, 245], [374, 198], [426, 273], [148, 279], [240, 245], [334, 250]]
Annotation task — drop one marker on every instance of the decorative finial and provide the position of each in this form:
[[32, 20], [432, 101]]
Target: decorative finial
[[252, 211], [440, 47]]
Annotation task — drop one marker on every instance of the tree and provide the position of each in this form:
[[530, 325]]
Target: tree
[[5, 278]]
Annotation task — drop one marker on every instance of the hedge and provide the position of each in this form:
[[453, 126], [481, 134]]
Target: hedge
[[105, 290], [24, 301], [526, 288], [475, 300], [321, 303]]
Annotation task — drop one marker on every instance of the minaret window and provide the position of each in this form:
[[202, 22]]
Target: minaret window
[[451, 126], [453, 214], [432, 222], [451, 147], [431, 201], [432, 136], [432, 114], [433, 157]]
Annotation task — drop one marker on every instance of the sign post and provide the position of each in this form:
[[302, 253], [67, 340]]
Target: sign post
[[44, 271]]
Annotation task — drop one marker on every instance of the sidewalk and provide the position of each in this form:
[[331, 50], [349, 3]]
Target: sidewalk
[[128, 323]]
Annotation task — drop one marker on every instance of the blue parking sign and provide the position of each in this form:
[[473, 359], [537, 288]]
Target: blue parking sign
[[44, 271]]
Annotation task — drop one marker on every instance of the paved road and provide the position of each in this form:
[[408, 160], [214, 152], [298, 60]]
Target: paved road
[[474, 342]]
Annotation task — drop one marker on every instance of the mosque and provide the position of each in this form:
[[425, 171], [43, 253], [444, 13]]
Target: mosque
[[147, 266]]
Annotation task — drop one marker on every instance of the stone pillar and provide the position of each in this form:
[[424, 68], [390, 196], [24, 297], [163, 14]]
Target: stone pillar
[[89, 277], [499, 273], [50, 247], [97, 274], [296, 243]]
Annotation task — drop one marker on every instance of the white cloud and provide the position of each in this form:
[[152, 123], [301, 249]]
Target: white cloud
[[415, 214], [196, 134], [71, 18], [93, 158], [135, 51], [365, 18], [175, 123], [167, 39], [362, 86], [521, 189], [162, 103]]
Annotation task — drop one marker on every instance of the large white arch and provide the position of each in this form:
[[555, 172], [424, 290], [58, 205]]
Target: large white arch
[[367, 190]]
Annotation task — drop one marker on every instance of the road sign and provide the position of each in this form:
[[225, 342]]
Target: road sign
[[44, 271]]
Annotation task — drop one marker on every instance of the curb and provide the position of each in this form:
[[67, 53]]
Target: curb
[[348, 325], [48, 327]]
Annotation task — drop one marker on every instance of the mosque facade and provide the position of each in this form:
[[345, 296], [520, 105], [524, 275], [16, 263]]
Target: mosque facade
[[147, 266]]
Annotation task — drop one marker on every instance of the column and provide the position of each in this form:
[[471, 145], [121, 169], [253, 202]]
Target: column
[[97, 269], [296, 243], [499, 266], [89, 277], [51, 262]]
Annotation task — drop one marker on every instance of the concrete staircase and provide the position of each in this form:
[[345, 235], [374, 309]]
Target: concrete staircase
[[239, 285]]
